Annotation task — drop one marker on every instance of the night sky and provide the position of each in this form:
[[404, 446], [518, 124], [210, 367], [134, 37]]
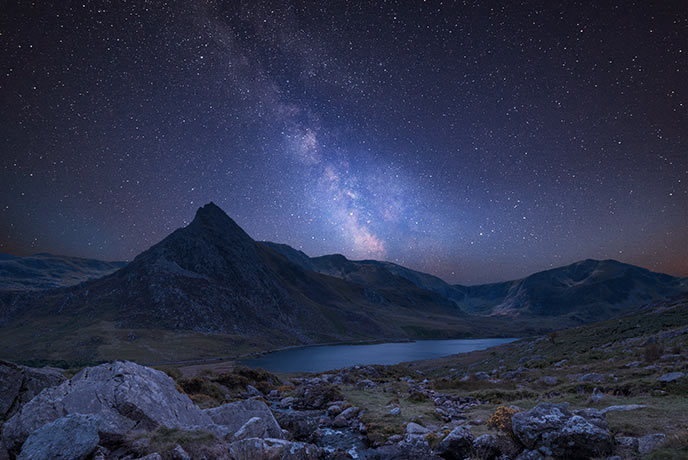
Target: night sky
[[477, 141]]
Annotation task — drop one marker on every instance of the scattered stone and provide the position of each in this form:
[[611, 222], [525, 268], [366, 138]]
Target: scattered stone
[[287, 402], [591, 377], [596, 397], [628, 442], [178, 453], [648, 443], [549, 380], [415, 429], [671, 377], [73, 437], [334, 410], [622, 408], [395, 411], [253, 391]]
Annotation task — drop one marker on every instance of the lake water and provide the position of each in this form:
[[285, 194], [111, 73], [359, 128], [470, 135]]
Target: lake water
[[328, 357]]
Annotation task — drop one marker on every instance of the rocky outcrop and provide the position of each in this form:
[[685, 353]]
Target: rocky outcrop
[[554, 430], [73, 437], [124, 396], [19, 384]]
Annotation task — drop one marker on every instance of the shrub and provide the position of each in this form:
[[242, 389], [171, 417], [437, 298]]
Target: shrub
[[200, 386], [501, 420]]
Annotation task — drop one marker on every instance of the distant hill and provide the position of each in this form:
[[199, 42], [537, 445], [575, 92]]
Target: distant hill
[[47, 271], [586, 291], [208, 289]]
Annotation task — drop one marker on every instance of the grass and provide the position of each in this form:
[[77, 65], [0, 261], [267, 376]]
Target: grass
[[377, 404]]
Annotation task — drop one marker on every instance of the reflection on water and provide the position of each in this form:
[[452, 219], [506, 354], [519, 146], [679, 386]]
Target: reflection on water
[[323, 358]]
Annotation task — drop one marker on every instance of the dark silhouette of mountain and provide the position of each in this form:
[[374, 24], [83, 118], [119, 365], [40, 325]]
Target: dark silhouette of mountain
[[47, 271], [209, 289], [589, 290], [586, 291]]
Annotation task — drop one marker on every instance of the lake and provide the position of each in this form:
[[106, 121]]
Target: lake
[[328, 357]]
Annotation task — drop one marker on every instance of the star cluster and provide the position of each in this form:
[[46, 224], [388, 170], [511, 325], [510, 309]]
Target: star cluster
[[479, 141]]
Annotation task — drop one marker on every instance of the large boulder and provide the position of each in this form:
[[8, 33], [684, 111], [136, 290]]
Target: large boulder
[[124, 396], [554, 430], [73, 437], [19, 384], [233, 416], [457, 444], [273, 449]]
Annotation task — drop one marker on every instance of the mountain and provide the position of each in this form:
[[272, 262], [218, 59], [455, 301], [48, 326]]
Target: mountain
[[209, 289], [586, 291], [590, 290], [47, 271]]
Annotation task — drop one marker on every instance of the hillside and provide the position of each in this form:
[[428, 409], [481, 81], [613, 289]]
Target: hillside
[[47, 271]]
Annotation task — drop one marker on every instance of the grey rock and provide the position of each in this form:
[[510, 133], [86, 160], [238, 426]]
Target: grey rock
[[485, 447], [253, 428], [124, 396], [300, 424], [457, 444], [549, 380], [178, 453], [530, 455], [253, 391], [622, 408], [334, 410], [628, 442], [592, 377], [287, 402], [234, 415], [395, 411], [671, 377], [415, 429], [153, 456], [273, 449], [554, 430], [73, 437], [597, 396], [19, 384], [650, 442]]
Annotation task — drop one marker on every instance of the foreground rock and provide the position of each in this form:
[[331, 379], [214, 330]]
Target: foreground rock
[[457, 444], [19, 384], [234, 416], [552, 429], [123, 395], [73, 437]]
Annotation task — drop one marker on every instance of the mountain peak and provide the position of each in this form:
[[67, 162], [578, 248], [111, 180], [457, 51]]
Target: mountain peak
[[210, 211]]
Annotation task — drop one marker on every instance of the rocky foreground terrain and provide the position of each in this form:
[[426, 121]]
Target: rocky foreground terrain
[[613, 390]]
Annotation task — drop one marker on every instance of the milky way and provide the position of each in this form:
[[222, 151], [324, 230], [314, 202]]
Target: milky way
[[475, 140]]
